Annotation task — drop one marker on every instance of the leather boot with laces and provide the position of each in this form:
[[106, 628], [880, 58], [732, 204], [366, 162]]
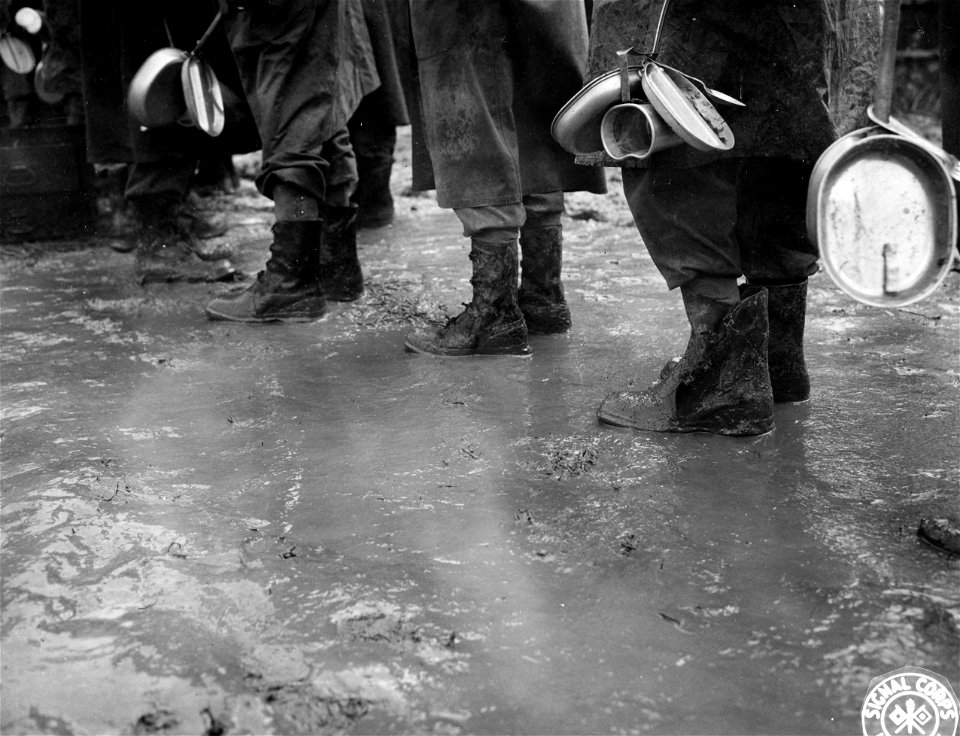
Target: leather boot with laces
[[288, 289], [492, 323]]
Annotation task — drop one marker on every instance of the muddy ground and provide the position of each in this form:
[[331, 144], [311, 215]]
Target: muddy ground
[[228, 529]]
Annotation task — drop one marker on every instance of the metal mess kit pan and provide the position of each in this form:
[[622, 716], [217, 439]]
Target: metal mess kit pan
[[684, 103], [881, 206], [884, 218], [173, 86]]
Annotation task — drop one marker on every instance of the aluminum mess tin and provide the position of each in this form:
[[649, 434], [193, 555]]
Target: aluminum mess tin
[[576, 127], [203, 96], [686, 109], [882, 211]]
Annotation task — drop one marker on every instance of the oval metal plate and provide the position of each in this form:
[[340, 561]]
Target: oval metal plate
[[686, 109], [576, 127], [155, 96], [204, 98], [885, 221], [17, 55]]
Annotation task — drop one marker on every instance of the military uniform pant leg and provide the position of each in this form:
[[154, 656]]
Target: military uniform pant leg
[[771, 221], [687, 219]]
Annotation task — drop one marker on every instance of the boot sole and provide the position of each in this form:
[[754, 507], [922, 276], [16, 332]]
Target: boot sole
[[291, 319], [765, 427], [525, 352]]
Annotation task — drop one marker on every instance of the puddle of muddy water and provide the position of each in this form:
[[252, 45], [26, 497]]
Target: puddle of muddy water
[[302, 529]]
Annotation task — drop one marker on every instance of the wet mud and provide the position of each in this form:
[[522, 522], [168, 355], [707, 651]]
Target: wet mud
[[302, 529]]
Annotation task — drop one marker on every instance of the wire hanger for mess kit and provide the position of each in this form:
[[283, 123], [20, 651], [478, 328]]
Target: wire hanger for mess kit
[[624, 55], [203, 39]]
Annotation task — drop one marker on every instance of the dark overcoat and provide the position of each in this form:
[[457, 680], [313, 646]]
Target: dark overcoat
[[805, 68], [492, 75]]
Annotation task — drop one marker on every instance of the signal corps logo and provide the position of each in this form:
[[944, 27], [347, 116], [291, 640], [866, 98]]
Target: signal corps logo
[[910, 702]]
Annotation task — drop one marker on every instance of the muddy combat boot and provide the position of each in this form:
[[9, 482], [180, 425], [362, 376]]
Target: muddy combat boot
[[787, 309], [288, 288], [492, 323], [340, 275], [720, 385], [373, 195], [164, 254], [541, 291]]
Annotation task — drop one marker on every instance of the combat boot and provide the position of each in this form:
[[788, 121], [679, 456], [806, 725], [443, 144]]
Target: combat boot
[[787, 310], [721, 384], [288, 288], [541, 292], [165, 254], [341, 277], [492, 323]]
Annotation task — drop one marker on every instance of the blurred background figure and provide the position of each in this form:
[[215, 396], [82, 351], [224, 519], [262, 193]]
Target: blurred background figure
[[116, 38]]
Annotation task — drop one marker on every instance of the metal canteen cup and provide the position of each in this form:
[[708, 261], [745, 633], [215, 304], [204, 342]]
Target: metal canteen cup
[[155, 97], [635, 130]]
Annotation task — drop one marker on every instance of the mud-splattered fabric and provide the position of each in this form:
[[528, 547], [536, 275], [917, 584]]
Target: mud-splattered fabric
[[492, 76], [804, 68], [305, 65]]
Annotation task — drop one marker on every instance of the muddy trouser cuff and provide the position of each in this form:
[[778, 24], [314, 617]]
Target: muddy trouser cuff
[[302, 170], [543, 210], [495, 223]]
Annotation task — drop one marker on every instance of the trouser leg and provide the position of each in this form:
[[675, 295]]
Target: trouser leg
[[687, 219], [340, 274], [771, 224], [777, 254]]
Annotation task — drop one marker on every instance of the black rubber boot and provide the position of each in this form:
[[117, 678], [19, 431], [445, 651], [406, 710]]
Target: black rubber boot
[[787, 312], [166, 253], [721, 384], [492, 323], [373, 195], [340, 274], [541, 291], [288, 289]]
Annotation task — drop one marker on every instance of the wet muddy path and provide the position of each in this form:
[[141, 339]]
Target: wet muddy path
[[215, 528]]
